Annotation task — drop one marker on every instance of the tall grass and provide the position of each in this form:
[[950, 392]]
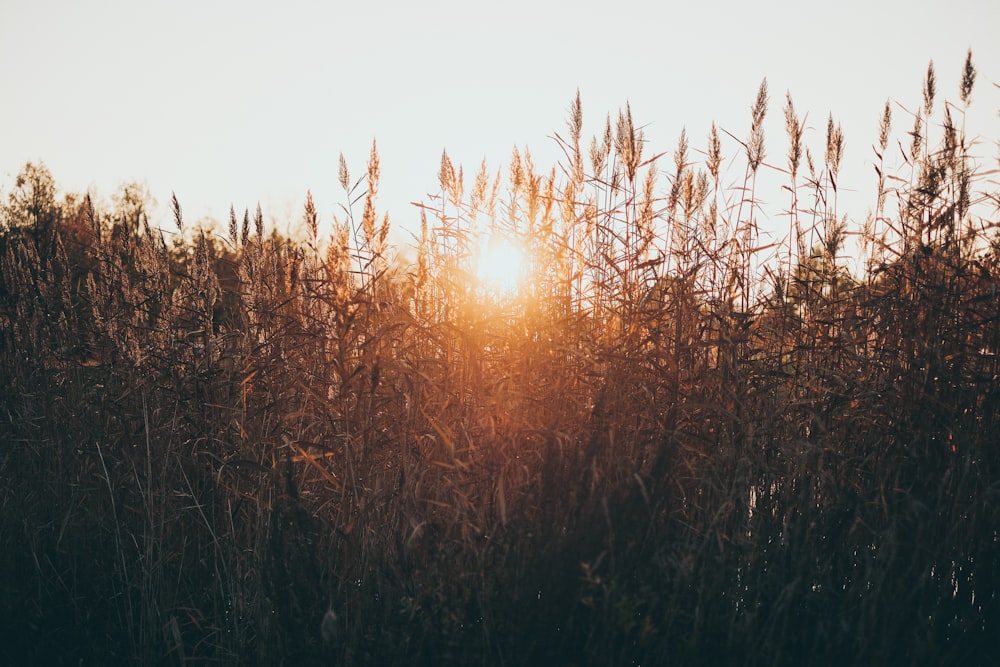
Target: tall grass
[[682, 441]]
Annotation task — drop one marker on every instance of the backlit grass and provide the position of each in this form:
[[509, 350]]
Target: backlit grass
[[675, 439]]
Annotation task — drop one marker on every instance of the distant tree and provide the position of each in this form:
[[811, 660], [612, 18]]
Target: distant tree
[[31, 205], [132, 205], [32, 202]]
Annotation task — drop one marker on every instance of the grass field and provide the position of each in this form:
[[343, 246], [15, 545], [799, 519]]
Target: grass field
[[675, 440]]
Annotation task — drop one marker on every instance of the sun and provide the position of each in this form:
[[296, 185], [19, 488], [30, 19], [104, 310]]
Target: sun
[[500, 265]]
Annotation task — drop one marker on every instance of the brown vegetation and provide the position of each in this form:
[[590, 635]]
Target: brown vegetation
[[678, 443]]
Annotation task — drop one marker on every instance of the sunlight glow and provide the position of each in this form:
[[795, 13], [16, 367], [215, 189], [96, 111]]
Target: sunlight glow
[[500, 266]]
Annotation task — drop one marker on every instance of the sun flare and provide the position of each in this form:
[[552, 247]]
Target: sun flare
[[500, 265]]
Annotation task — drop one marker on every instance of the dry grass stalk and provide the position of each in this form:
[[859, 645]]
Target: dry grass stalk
[[675, 445]]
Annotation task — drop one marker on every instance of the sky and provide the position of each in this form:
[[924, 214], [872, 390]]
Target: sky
[[235, 103]]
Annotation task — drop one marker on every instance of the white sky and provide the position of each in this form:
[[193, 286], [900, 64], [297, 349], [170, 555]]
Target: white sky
[[240, 102]]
